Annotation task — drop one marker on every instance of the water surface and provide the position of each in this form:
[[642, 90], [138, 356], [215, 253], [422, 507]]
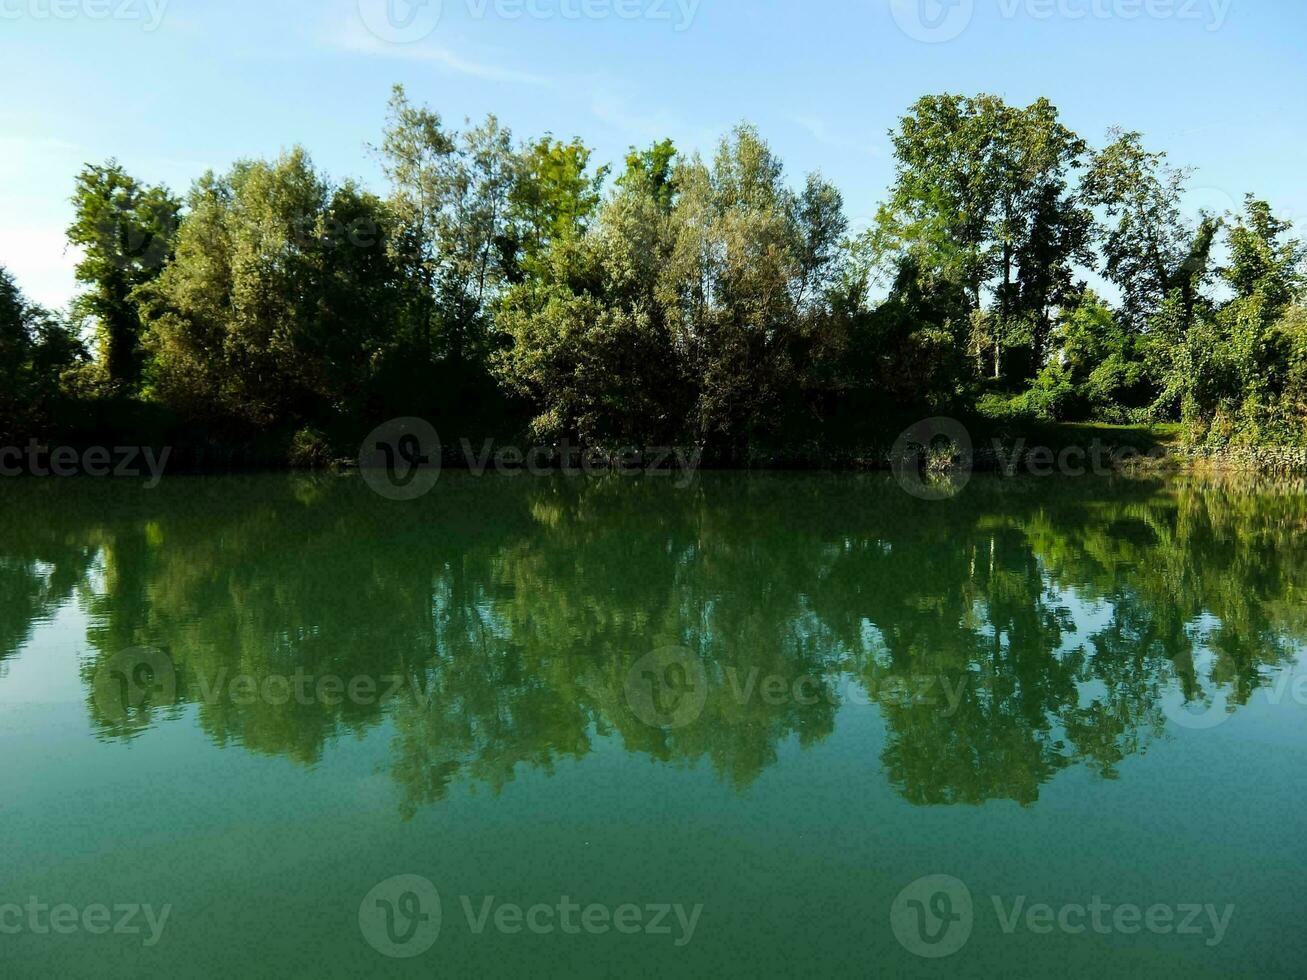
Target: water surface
[[784, 699]]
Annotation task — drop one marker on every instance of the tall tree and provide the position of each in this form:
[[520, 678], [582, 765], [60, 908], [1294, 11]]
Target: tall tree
[[281, 300], [942, 206], [451, 194], [589, 339], [416, 155], [1044, 227], [698, 315], [750, 274], [126, 231], [983, 200], [1149, 248]]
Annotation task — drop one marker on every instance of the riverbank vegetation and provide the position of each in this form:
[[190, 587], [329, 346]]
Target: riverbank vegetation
[[1016, 274]]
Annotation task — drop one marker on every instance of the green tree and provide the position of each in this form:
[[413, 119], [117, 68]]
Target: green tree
[[750, 286], [37, 348], [982, 204], [281, 299], [1264, 263], [555, 195], [451, 195], [697, 317], [1042, 228], [1233, 369], [942, 206], [15, 341], [417, 157], [126, 232], [1098, 370], [15, 354], [1150, 250], [654, 171], [589, 340]]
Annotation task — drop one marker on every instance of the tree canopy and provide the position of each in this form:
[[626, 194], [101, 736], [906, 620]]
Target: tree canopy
[[1015, 270]]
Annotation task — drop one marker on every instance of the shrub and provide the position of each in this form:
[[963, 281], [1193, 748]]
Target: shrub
[[309, 450]]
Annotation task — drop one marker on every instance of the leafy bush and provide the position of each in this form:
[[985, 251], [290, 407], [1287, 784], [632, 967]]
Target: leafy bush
[[309, 450]]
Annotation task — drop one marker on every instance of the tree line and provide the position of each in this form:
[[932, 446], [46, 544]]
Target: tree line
[[674, 299]]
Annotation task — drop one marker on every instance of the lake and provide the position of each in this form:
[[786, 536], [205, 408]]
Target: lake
[[760, 725]]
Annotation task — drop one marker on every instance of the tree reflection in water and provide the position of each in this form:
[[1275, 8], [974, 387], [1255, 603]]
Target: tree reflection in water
[[514, 610]]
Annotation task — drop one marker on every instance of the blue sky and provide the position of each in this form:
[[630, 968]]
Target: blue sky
[[173, 87]]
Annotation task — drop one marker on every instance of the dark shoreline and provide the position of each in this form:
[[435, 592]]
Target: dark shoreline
[[967, 443]]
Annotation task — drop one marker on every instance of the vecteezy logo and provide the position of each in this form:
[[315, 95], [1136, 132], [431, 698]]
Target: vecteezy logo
[[400, 918], [932, 21], [133, 245], [401, 459], [933, 916], [939, 447], [130, 680], [400, 21], [667, 688], [1197, 715]]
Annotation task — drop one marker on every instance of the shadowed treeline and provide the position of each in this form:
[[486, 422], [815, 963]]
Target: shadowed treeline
[[1004, 635]]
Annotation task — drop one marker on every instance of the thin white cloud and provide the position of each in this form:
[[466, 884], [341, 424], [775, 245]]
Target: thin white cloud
[[356, 40], [817, 127], [36, 144], [821, 132], [615, 111]]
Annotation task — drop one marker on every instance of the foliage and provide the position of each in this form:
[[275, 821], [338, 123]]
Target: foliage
[[692, 315], [590, 338], [1099, 374], [126, 231], [309, 449], [1236, 370], [37, 351], [982, 204], [451, 198], [554, 196], [718, 303], [281, 299]]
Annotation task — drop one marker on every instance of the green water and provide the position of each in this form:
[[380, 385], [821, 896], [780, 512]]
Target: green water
[[780, 700]]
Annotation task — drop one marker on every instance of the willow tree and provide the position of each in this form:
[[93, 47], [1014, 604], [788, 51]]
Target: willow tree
[[281, 298], [698, 307], [589, 342], [749, 286], [450, 192]]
